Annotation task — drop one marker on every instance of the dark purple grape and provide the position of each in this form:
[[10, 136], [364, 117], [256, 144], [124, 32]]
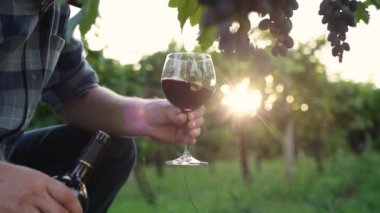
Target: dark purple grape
[[288, 42], [335, 41], [339, 49], [294, 4], [352, 5], [225, 8], [275, 51], [274, 30], [331, 36], [207, 2], [337, 14], [277, 15], [209, 18], [288, 12], [337, 5], [349, 17], [342, 37], [323, 7], [334, 51], [264, 24], [330, 26], [344, 2], [346, 46], [286, 26], [282, 50], [325, 20]]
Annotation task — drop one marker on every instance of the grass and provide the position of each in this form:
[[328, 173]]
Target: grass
[[349, 184]]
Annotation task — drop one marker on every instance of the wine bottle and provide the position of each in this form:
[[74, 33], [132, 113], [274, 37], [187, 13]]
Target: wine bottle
[[77, 177]]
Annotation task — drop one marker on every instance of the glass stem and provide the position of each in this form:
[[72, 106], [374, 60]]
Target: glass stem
[[186, 150]]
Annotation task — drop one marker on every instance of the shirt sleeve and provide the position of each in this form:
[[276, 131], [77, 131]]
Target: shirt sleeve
[[72, 77]]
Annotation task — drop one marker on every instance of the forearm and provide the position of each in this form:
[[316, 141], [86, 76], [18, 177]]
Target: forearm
[[103, 109]]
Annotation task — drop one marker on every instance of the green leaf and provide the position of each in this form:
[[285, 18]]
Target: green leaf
[[73, 22], [185, 8], [197, 16], [207, 37], [90, 9], [85, 18], [361, 13], [175, 3], [376, 3]]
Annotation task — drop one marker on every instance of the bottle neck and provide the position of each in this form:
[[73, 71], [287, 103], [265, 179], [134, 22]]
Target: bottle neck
[[95, 148], [81, 170], [91, 154]]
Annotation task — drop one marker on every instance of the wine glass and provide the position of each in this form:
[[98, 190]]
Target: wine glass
[[188, 80]]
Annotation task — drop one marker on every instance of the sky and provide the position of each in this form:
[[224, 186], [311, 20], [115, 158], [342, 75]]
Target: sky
[[130, 29]]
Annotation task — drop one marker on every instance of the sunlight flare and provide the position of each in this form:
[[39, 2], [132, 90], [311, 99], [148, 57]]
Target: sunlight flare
[[304, 107], [240, 99]]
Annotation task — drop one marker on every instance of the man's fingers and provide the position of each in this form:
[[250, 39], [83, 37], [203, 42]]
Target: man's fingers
[[194, 133], [35, 210], [187, 136], [194, 124], [175, 115], [197, 113], [192, 141], [180, 118], [47, 204], [64, 196]]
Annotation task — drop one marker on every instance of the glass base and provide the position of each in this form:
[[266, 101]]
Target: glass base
[[186, 160]]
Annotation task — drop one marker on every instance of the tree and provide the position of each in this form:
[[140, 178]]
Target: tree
[[358, 113]]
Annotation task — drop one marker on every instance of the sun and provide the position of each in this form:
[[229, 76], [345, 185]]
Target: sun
[[240, 99]]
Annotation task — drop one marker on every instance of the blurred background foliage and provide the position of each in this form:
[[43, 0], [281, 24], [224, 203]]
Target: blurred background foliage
[[329, 149]]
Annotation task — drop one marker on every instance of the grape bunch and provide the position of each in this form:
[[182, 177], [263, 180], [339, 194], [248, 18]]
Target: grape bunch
[[231, 19], [224, 13], [235, 41], [338, 15], [280, 25]]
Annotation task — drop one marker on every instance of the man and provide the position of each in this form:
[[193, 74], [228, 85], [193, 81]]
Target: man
[[37, 64]]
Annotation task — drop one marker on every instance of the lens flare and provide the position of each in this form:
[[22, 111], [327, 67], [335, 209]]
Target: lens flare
[[240, 99]]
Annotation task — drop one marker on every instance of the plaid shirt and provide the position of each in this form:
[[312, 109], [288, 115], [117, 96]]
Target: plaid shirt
[[36, 64]]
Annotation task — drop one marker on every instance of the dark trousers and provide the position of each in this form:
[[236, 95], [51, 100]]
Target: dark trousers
[[55, 150]]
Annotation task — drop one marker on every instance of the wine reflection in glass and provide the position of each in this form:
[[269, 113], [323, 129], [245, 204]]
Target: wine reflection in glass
[[188, 80]]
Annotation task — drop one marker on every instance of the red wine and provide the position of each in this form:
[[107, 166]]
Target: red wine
[[186, 96]]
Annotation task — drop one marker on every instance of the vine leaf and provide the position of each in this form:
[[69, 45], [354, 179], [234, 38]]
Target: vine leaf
[[74, 21], [206, 37], [91, 12], [361, 13], [190, 9], [376, 3], [186, 9], [197, 16], [85, 18]]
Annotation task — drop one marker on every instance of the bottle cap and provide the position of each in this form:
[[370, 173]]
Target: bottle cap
[[101, 136]]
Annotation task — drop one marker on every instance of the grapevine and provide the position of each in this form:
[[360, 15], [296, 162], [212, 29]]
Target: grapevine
[[276, 18]]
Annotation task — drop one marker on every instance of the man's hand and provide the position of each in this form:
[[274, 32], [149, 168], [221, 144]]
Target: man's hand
[[166, 123], [103, 109], [26, 190]]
